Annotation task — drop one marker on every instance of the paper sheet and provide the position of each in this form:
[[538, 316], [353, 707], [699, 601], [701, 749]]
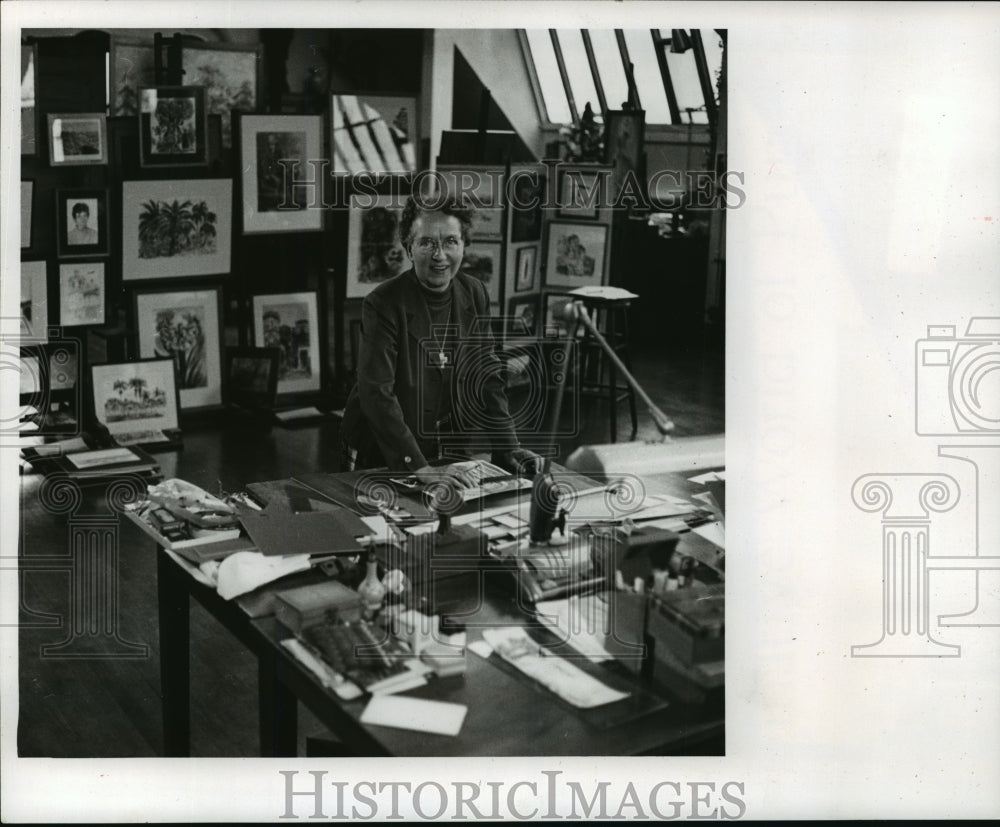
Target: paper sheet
[[418, 714]]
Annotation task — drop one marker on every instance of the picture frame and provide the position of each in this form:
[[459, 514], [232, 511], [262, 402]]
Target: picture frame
[[29, 107], [185, 326], [252, 376], [483, 260], [522, 317], [27, 212], [375, 252], [137, 395], [34, 303], [81, 293], [580, 193], [624, 134], [290, 323], [527, 190], [484, 187], [271, 202], [83, 226], [527, 266], [173, 128], [374, 133], [553, 323], [196, 240], [230, 73], [77, 138], [576, 254]]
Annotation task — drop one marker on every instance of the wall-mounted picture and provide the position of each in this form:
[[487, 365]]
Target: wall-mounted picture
[[27, 209], [374, 250], [275, 153], [252, 376], [527, 194], [522, 316], [555, 323], [184, 325], [29, 111], [135, 396], [373, 133], [34, 303], [524, 275], [623, 148], [83, 226], [176, 228], [483, 187], [576, 254], [290, 323], [172, 127], [76, 139], [482, 260], [580, 193], [81, 293]]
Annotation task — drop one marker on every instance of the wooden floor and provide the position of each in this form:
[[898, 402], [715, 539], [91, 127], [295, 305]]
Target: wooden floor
[[110, 706]]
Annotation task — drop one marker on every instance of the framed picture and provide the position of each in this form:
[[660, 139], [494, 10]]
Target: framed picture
[[135, 396], [482, 260], [83, 225], [290, 322], [252, 376], [373, 133], [580, 193], [275, 152], [184, 325], [172, 126], [29, 109], [576, 254], [555, 324], [527, 194], [81, 293], [484, 187], [374, 250], [76, 139], [524, 275], [27, 209], [34, 303], [623, 148], [176, 228], [522, 316]]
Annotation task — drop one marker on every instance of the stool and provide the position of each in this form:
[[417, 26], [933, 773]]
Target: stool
[[598, 374]]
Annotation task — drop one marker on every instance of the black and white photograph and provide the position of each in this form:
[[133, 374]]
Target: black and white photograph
[[432, 553]]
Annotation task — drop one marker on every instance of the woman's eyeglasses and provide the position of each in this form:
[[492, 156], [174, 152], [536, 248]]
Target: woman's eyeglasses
[[449, 244]]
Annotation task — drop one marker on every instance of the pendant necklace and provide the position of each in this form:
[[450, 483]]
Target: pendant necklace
[[442, 357]]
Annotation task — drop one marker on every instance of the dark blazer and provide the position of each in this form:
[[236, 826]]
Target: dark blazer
[[384, 405]]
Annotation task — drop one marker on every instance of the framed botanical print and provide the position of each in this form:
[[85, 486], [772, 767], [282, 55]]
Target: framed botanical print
[[34, 303], [483, 260], [290, 323], [176, 228], [76, 139], [373, 133], [172, 127], [29, 108], [27, 210], [83, 225], [139, 395], [576, 254], [374, 250], [184, 325], [276, 152], [81, 293], [580, 193], [524, 274]]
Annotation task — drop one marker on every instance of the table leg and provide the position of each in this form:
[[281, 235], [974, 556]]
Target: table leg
[[278, 711], [175, 684]]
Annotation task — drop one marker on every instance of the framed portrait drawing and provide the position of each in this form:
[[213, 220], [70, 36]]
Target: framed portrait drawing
[[373, 133], [27, 209], [524, 274], [290, 323], [580, 193], [29, 110], [83, 225], [522, 316], [275, 152], [172, 126], [252, 376], [374, 250], [483, 260], [484, 188], [184, 325], [76, 139], [140, 395], [34, 303], [576, 254], [81, 293], [526, 192], [176, 228]]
